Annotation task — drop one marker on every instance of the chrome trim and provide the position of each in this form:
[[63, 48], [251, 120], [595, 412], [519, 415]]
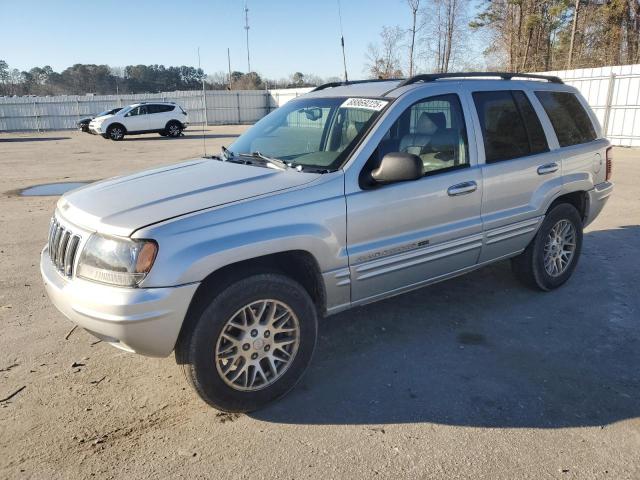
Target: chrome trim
[[514, 230], [63, 248], [417, 257]]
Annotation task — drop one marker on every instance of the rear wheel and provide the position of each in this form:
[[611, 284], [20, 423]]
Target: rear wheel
[[552, 256], [251, 344], [174, 129], [116, 132]]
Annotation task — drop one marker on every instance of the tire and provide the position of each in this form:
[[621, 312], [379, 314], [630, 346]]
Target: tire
[[173, 129], [538, 269], [115, 132], [207, 358], [163, 133]]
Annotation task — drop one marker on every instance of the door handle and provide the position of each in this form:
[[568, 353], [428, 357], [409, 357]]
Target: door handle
[[548, 168], [462, 188]]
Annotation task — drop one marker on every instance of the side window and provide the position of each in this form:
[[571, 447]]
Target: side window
[[568, 117], [433, 129], [510, 126], [159, 108], [143, 110], [537, 138], [133, 112]]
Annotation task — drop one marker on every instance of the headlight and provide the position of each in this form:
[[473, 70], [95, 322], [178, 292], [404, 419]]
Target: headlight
[[116, 261]]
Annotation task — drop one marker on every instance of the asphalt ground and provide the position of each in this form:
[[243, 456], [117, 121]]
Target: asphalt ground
[[476, 377]]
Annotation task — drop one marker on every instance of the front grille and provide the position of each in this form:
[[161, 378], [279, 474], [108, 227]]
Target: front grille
[[63, 248]]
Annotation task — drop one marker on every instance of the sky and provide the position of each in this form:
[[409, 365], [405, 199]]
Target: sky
[[285, 36]]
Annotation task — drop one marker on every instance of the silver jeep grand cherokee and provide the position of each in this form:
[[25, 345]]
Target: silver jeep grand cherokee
[[350, 194]]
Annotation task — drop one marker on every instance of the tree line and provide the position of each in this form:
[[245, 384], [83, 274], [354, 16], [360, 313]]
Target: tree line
[[519, 35], [80, 79]]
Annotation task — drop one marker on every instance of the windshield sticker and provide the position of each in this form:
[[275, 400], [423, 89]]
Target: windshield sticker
[[365, 103]]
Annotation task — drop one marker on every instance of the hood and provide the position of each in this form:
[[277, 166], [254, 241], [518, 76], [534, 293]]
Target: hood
[[121, 205], [100, 119]]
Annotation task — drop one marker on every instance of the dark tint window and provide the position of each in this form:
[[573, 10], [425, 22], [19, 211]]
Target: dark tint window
[[569, 119], [537, 138], [160, 108], [509, 124]]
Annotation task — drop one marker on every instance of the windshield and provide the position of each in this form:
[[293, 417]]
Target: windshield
[[311, 132]]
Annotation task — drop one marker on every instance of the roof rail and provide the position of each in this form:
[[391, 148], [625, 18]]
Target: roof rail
[[353, 82], [432, 77]]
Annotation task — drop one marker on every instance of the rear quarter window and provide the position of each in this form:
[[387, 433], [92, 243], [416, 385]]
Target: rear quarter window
[[569, 118]]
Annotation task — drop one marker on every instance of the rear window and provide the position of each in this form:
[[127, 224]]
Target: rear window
[[510, 126], [568, 117]]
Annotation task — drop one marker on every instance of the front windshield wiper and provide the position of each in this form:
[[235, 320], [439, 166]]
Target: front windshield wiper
[[276, 162]]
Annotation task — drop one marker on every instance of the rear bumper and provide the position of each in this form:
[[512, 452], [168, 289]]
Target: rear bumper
[[141, 320], [598, 196]]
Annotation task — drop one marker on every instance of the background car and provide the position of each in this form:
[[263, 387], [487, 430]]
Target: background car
[[83, 124], [165, 118]]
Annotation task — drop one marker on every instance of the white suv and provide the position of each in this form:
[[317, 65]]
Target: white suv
[[165, 118]]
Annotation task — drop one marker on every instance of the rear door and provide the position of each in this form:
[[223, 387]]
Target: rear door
[[159, 116], [406, 234], [519, 170]]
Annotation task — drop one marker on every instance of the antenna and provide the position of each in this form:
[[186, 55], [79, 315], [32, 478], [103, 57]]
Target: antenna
[[229, 61], [344, 58], [246, 27], [204, 109]]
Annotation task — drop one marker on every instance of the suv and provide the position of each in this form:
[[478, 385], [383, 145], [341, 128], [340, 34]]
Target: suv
[[165, 118], [347, 195]]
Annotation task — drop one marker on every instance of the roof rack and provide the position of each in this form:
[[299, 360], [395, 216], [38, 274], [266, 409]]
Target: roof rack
[[353, 82], [432, 77]]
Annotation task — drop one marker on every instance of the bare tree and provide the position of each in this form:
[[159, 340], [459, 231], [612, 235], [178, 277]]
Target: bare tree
[[383, 59], [445, 20], [414, 6]]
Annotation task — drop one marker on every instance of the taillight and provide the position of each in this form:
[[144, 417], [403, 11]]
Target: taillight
[[609, 163]]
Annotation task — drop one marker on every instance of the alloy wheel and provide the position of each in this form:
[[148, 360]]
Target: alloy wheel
[[559, 248], [257, 345]]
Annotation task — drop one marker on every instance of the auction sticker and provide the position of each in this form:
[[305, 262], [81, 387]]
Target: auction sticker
[[365, 103]]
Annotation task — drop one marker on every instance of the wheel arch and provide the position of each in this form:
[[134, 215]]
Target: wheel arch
[[579, 199], [117, 124], [299, 265]]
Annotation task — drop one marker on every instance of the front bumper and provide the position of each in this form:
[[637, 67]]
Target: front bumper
[[141, 320], [95, 130], [598, 196]]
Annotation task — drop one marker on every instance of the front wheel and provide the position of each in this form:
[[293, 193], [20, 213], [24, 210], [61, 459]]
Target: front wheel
[[115, 132], [251, 344], [552, 256]]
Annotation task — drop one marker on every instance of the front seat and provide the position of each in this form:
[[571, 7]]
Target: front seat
[[429, 123]]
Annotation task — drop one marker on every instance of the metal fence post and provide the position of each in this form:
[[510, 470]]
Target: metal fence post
[[607, 108], [35, 114], [238, 101]]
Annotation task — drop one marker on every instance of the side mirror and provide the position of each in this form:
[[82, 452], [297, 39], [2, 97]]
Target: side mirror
[[313, 114], [398, 167]]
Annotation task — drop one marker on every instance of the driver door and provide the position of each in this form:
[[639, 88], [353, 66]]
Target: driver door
[[406, 234], [137, 119]]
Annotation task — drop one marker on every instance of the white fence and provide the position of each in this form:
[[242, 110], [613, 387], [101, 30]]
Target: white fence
[[62, 112], [614, 95], [612, 92]]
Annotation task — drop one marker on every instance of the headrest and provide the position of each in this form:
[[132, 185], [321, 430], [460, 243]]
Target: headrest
[[425, 125], [438, 118]]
